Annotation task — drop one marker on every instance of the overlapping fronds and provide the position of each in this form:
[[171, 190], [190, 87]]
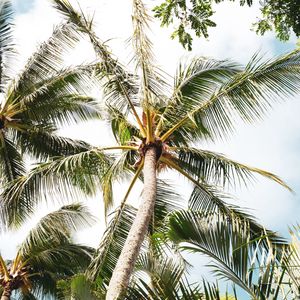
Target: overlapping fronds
[[48, 254], [119, 169], [43, 143], [194, 83], [292, 261], [143, 55], [235, 255], [123, 131], [70, 177], [55, 227], [46, 61], [41, 99], [59, 97], [247, 95], [120, 87], [167, 279], [205, 199], [111, 245], [115, 235], [7, 50], [167, 201], [11, 163]]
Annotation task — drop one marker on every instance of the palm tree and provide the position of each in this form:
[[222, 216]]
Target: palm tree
[[260, 263], [236, 255], [39, 100], [47, 254], [157, 127]]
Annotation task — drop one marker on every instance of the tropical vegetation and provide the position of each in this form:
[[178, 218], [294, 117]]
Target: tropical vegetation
[[158, 126], [46, 255], [39, 100]]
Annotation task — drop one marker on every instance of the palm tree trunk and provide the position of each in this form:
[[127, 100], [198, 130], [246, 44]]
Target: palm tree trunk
[[6, 293], [123, 270]]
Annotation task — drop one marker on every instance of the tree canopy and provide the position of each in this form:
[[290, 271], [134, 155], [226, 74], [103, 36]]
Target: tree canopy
[[196, 16]]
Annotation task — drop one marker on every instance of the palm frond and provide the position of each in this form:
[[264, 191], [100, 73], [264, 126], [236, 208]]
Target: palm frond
[[208, 200], [63, 258], [291, 260], [42, 143], [194, 83], [45, 61], [111, 245], [60, 98], [123, 131], [119, 170], [228, 242], [143, 55], [55, 227], [3, 269], [71, 177], [247, 95], [216, 169], [167, 201], [120, 86], [7, 50], [81, 288], [167, 281], [11, 162]]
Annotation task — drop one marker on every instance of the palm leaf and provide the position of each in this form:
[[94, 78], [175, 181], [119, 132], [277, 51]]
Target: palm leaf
[[70, 177], [42, 143], [123, 131], [236, 256], [291, 260], [59, 98], [217, 169], [194, 83], [167, 277], [55, 227], [111, 245], [208, 200], [246, 95], [6, 42], [120, 86], [11, 162], [45, 61]]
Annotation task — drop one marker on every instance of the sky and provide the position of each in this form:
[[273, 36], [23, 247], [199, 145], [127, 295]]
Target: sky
[[270, 144]]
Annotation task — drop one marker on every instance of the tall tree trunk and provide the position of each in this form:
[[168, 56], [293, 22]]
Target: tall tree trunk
[[6, 293], [123, 270]]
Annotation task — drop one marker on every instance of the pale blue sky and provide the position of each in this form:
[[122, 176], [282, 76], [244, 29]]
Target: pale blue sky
[[23, 6]]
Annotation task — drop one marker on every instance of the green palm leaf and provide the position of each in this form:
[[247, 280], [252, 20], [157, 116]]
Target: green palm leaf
[[236, 256], [70, 177], [120, 86], [247, 95], [111, 245], [42, 142], [217, 169], [56, 227], [45, 61], [11, 164], [7, 50], [59, 98], [194, 83]]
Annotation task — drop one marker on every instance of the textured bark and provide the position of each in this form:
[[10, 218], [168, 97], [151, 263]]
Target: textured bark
[[123, 270], [6, 293]]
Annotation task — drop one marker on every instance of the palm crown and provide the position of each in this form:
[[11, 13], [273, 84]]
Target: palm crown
[[146, 118], [47, 254], [39, 100]]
